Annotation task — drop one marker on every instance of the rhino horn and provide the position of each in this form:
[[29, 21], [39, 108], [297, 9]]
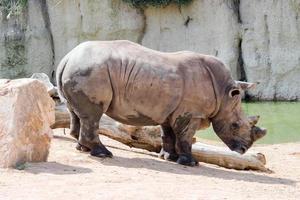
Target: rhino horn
[[258, 133], [246, 85]]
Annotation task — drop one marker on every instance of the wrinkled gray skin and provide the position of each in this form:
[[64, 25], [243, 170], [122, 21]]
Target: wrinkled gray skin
[[181, 91]]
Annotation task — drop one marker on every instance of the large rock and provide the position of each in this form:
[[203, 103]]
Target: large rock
[[26, 113], [271, 47], [51, 89]]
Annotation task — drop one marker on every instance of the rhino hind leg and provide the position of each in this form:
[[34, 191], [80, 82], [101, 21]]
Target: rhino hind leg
[[75, 129], [88, 114], [89, 137], [168, 151], [184, 129], [74, 123]]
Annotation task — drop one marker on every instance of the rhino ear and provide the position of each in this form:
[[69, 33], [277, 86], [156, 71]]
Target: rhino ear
[[253, 120], [245, 85]]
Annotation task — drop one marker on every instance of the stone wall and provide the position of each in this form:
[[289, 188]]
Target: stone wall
[[271, 47], [259, 40], [25, 45], [209, 27]]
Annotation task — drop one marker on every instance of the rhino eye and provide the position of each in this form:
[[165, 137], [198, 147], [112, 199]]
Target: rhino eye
[[235, 126]]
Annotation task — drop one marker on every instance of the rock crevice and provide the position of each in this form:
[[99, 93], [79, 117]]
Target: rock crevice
[[47, 22]]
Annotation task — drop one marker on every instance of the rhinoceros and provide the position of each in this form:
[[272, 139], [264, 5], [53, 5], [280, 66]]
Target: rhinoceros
[[181, 91]]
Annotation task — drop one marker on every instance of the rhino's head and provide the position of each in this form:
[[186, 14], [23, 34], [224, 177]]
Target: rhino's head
[[236, 130]]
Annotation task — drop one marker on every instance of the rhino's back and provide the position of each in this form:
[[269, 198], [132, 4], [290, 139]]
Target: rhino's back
[[147, 86]]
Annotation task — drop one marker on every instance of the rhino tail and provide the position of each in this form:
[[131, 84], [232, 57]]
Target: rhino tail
[[59, 72]]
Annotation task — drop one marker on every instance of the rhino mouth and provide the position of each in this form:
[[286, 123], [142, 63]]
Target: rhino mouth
[[240, 150], [238, 147]]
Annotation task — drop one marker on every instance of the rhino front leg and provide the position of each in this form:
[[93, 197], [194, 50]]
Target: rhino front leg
[[168, 151], [184, 129], [184, 149]]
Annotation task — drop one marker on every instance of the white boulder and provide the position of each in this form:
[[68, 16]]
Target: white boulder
[[52, 90], [26, 113]]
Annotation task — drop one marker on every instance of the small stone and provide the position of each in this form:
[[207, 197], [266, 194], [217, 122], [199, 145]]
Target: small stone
[[21, 166]]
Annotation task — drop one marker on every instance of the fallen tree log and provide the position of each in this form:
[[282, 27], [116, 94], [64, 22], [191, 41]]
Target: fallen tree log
[[148, 138]]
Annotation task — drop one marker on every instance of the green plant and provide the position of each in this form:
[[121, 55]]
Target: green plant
[[13, 7], [155, 3]]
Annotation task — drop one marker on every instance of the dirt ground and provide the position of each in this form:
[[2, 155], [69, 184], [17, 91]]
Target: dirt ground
[[137, 174]]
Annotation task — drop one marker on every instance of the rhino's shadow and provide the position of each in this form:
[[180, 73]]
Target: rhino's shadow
[[174, 168], [55, 168]]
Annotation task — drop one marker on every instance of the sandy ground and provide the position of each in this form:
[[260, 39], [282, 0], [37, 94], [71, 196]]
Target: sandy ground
[[137, 174]]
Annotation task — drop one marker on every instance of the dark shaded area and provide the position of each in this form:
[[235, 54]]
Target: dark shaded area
[[55, 168], [169, 167], [174, 168], [236, 8], [156, 3], [46, 18], [241, 67], [187, 21]]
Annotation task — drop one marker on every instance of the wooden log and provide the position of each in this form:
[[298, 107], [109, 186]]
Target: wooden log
[[229, 159], [148, 138], [62, 117]]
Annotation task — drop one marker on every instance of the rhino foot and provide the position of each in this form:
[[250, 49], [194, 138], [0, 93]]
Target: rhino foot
[[187, 160], [168, 156], [83, 148], [101, 152], [74, 134]]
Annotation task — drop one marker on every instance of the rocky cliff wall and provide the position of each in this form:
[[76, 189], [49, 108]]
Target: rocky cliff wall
[[259, 40], [271, 47]]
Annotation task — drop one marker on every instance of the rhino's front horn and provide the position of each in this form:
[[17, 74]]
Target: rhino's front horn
[[253, 120], [257, 133], [246, 85]]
